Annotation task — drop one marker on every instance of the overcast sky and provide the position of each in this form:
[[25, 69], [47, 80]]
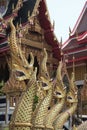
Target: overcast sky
[[65, 13]]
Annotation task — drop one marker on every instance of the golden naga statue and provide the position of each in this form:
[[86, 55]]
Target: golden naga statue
[[43, 77], [83, 126], [42, 108], [21, 118], [72, 100], [19, 63], [60, 94], [24, 117]]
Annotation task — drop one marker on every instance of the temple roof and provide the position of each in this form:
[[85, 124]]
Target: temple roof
[[76, 44], [79, 32], [28, 5], [32, 6]]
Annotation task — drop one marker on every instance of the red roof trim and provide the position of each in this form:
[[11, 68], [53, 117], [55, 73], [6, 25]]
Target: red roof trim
[[84, 41], [75, 27], [78, 59], [82, 36], [4, 49], [74, 50], [67, 41], [48, 30], [79, 19]]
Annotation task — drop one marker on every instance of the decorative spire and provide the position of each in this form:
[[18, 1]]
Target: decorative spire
[[20, 23], [74, 65], [53, 24], [61, 41], [55, 39], [60, 46], [13, 7], [28, 14], [69, 31], [19, 5], [17, 26], [72, 81], [46, 13]]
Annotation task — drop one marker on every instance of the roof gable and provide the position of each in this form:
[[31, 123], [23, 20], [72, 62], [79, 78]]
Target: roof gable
[[80, 25], [79, 31], [35, 9]]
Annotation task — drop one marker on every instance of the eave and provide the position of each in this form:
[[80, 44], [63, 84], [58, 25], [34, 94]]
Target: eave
[[79, 54], [74, 34], [78, 59], [48, 30], [80, 39], [79, 19]]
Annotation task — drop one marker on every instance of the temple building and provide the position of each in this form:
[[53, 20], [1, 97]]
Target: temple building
[[32, 19], [75, 51], [27, 24], [35, 32]]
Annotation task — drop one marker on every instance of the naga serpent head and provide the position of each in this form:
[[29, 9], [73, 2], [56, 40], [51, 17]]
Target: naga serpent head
[[72, 97], [43, 86], [60, 89], [24, 69], [45, 80], [72, 94], [46, 83], [19, 63]]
